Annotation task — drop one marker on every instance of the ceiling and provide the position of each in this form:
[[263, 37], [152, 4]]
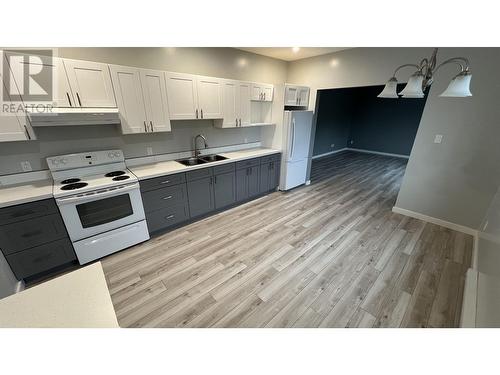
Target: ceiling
[[292, 53]]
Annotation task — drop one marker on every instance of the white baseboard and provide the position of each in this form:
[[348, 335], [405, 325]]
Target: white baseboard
[[377, 152], [329, 153], [435, 220]]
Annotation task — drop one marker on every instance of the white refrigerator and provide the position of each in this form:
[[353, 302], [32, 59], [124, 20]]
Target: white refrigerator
[[296, 144]]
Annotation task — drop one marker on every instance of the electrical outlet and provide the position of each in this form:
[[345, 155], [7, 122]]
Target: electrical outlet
[[26, 166], [351, 142], [149, 150], [332, 145], [438, 138]]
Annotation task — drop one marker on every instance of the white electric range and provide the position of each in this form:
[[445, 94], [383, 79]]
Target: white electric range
[[100, 202]]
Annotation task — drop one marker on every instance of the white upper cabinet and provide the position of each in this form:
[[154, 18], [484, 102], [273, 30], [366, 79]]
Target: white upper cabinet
[[291, 95], [262, 92], [14, 127], [129, 97], [209, 97], [230, 100], [244, 98], [155, 97], [304, 96], [90, 83], [142, 99], [193, 97], [236, 109], [181, 95], [297, 96], [49, 72]]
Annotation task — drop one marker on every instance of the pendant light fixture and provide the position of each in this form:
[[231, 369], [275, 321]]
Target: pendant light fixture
[[423, 77]]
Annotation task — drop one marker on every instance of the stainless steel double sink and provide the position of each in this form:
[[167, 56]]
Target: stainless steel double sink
[[201, 160]]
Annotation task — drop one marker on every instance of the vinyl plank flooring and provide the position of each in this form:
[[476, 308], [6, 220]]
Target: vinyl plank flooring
[[330, 254]]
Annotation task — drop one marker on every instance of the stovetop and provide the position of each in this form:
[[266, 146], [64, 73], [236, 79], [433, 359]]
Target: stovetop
[[80, 184]]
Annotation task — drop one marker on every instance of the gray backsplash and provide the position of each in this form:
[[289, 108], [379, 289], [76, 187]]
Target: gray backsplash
[[68, 139]]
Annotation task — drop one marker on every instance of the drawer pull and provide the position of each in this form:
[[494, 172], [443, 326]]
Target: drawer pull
[[166, 198], [23, 213], [165, 182], [170, 217], [31, 234], [42, 258]]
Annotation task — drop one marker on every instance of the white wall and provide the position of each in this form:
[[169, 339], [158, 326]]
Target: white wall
[[454, 181], [219, 62]]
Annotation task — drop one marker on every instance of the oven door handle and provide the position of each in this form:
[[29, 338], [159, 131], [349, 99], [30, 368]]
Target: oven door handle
[[96, 196]]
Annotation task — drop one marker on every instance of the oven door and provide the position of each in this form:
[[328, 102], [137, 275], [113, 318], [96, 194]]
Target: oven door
[[97, 212]]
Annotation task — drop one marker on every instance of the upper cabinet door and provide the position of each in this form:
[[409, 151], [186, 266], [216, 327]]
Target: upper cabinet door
[[181, 96], [244, 96], [90, 83], [13, 127], [303, 96], [291, 95], [129, 97], [155, 97], [209, 97], [48, 72], [257, 92], [230, 100], [268, 93]]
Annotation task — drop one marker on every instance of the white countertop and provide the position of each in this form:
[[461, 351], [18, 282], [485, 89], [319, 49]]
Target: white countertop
[[11, 195], [79, 299], [170, 167]]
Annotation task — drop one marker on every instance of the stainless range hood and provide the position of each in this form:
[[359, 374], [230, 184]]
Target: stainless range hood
[[73, 116]]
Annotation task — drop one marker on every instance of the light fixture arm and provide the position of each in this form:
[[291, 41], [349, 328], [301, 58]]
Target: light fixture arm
[[404, 66], [460, 61]]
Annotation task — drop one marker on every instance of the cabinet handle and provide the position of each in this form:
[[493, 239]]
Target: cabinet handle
[[240, 122], [27, 133], [236, 121], [165, 182], [215, 179], [264, 96], [201, 112], [69, 100], [31, 234], [247, 172], [196, 112], [211, 180], [145, 127], [79, 101], [170, 217], [152, 128], [167, 198]]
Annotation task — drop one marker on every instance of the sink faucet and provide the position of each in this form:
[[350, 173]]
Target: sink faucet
[[196, 151]]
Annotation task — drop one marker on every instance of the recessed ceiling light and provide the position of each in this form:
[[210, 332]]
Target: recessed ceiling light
[[295, 49]]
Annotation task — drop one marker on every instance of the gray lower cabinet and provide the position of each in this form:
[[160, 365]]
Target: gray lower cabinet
[[247, 182], [166, 217], [269, 175], [41, 258], [165, 201], [224, 189], [201, 196], [173, 199], [33, 238]]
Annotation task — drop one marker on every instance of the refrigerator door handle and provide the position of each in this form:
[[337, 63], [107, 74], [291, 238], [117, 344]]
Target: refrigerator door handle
[[293, 138]]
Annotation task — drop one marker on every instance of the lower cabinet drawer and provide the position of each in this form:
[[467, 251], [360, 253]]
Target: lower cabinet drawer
[[166, 217], [41, 258], [270, 158], [247, 163], [163, 198], [30, 233]]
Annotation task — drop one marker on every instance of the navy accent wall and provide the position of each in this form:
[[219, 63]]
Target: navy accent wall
[[333, 119], [355, 117]]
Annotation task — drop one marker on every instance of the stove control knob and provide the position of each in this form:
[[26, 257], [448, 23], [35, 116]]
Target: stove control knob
[[117, 154], [64, 160], [55, 161], [111, 155]]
